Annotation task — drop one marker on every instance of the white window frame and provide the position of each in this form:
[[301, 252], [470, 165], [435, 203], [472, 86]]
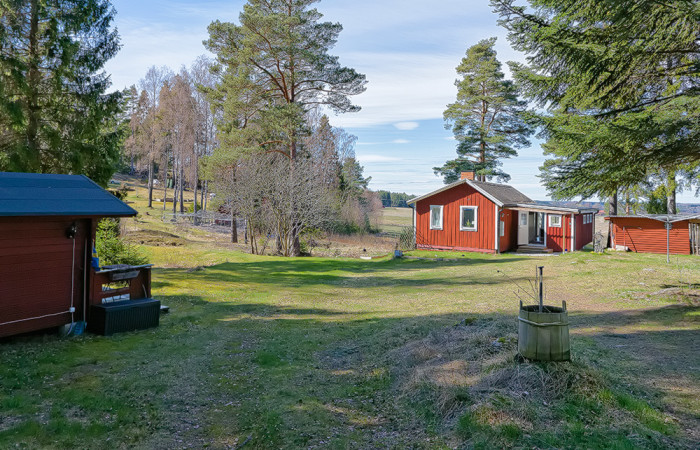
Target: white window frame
[[461, 218], [442, 216], [501, 228], [553, 225], [523, 215]]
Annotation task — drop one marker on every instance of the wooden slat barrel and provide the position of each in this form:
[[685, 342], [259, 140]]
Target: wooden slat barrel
[[544, 336]]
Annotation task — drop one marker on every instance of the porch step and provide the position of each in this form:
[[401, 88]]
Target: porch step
[[533, 249]]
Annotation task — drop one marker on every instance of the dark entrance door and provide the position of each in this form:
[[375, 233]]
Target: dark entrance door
[[537, 228]]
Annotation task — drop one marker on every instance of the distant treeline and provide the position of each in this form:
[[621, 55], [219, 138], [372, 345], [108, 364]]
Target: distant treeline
[[395, 199]]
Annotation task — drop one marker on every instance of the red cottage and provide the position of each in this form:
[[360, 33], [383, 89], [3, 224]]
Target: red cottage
[[477, 216], [47, 232], [677, 234]]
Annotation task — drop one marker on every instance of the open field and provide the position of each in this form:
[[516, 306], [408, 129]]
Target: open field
[[394, 219], [267, 352]]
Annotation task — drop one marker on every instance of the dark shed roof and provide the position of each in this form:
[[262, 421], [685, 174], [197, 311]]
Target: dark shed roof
[[35, 194], [505, 194]]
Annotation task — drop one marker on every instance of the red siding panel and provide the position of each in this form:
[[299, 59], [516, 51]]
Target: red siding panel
[[509, 240], [584, 231], [649, 236], [559, 238], [451, 237], [35, 272]]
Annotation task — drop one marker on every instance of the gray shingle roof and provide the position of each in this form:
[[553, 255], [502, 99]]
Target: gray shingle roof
[[505, 194], [34, 194]]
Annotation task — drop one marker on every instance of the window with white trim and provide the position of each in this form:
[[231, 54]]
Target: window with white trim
[[554, 220], [523, 219], [502, 229], [467, 218], [436, 217]]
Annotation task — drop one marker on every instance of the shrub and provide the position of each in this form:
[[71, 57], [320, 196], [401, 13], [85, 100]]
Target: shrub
[[112, 249]]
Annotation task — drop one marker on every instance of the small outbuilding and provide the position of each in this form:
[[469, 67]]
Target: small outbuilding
[[47, 233], [675, 234], [470, 215]]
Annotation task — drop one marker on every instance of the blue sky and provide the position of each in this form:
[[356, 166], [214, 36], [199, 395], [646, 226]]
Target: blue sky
[[408, 49]]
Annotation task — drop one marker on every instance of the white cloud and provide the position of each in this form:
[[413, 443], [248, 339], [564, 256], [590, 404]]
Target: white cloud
[[406, 126], [403, 87], [400, 141]]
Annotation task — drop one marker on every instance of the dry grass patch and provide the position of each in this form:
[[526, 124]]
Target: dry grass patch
[[469, 383]]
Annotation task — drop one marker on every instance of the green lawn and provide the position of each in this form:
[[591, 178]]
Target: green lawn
[[336, 353]]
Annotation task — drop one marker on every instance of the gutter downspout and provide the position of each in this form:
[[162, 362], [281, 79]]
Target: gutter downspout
[[573, 232], [498, 228]]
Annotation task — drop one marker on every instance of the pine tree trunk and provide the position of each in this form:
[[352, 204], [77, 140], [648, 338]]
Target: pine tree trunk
[[196, 182], [612, 211], [150, 184], [175, 172], [182, 188], [234, 227], [295, 241], [205, 197], [612, 205], [671, 193], [165, 185]]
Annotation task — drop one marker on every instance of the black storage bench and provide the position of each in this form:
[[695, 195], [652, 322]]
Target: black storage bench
[[125, 315]]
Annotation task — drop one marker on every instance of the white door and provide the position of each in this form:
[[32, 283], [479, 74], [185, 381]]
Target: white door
[[523, 229]]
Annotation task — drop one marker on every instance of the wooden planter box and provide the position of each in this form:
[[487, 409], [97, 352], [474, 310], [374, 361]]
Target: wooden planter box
[[544, 336]]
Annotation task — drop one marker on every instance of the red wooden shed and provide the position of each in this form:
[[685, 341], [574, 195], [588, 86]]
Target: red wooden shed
[[470, 215], [653, 232], [47, 232]]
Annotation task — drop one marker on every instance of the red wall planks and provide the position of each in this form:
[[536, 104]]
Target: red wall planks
[[509, 240], [649, 236], [483, 239], [584, 231], [35, 271], [559, 238]]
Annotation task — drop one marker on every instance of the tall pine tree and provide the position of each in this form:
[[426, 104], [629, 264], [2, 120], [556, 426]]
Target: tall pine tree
[[487, 119], [55, 112], [274, 67]]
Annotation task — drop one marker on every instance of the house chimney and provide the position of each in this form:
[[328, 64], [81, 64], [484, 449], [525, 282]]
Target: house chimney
[[467, 175]]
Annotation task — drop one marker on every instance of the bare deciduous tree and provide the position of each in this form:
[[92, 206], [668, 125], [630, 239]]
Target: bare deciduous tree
[[152, 84], [268, 195]]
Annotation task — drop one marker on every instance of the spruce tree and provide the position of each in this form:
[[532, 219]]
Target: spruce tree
[[55, 112], [488, 119], [621, 84]]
